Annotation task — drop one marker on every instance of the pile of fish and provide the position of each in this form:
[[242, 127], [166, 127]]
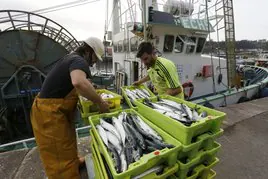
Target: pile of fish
[[127, 138], [137, 93], [178, 111], [102, 95]]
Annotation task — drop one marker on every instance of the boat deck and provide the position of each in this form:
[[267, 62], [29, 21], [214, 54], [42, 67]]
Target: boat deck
[[243, 154]]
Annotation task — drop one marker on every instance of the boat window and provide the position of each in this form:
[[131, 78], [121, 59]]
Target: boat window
[[200, 45], [115, 47], [120, 46], [190, 48], [168, 43], [178, 45], [134, 44], [126, 46], [190, 44]]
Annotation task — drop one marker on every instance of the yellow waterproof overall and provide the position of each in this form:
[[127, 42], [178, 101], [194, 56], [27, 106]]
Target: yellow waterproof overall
[[54, 130]]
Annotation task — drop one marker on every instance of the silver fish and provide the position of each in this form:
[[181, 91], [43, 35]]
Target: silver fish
[[103, 135], [114, 140], [136, 153], [203, 115], [172, 103], [177, 116], [115, 156], [123, 162], [106, 96], [146, 127], [131, 94], [119, 126], [129, 154], [187, 111], [111, 128], [137, 136], [146, 92], [121, 117], [141, 93], [195, 115], [173, 108], [130, 140], [157, 106]]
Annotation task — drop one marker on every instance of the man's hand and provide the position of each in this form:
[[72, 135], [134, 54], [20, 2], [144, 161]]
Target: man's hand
[[136, 83], [104, 106]]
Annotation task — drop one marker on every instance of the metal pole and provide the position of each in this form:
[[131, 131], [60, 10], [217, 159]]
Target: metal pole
[[211, 59], [144, 10]]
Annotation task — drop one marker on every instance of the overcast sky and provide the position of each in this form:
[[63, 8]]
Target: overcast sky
[[88, 20]]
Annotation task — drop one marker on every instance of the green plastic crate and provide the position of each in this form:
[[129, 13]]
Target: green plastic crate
[[207, 158], [202, 171], [85, 116], [91, 108], [166, 156], [185, 134], [123, 89], [204, 142], [102, 171]]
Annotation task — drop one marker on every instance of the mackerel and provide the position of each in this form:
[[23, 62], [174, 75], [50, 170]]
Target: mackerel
[[120, 129], [111, 128], [102, 134]]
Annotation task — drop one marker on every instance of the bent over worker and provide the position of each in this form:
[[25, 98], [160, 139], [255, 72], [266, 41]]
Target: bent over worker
[[52, 114], [162, 72]]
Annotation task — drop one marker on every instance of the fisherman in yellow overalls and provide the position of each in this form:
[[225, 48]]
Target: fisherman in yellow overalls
[[52, 114], [162, 72]]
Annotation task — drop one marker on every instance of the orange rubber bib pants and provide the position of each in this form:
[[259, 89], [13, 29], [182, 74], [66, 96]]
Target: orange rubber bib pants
[[54, 130]]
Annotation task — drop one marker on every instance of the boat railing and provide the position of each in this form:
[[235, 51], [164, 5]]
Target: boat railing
[[30, 142]]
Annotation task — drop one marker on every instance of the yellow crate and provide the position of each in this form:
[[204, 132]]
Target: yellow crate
[[89, 107]]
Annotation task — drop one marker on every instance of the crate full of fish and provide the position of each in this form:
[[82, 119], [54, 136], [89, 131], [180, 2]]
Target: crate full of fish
[[132, 93], [203, 142], [133, 147], [105, 172], [181, 119], [206, 158], [86, 106]]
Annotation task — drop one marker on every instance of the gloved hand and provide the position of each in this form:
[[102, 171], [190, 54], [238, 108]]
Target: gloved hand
[[136, 83], [104, 106]]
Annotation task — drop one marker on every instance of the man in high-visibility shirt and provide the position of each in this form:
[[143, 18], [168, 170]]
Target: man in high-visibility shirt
[[162, 72]]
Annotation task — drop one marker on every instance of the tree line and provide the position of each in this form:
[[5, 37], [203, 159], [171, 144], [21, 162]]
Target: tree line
[[211, 46]]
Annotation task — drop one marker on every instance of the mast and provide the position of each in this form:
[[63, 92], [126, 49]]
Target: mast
[[115, 11]]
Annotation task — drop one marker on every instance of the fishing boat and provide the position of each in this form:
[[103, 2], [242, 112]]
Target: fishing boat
[[179, 33]]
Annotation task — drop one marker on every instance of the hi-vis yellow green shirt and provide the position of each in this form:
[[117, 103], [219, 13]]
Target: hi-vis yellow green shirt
[[164, 75]]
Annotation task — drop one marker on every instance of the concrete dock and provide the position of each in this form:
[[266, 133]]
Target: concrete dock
[[243, 154]]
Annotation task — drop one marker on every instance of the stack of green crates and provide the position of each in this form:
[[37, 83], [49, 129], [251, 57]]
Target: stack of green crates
[[105, 164], [88, 108], [199, 148]]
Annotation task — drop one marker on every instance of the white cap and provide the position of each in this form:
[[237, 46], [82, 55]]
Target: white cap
[[97, 45]]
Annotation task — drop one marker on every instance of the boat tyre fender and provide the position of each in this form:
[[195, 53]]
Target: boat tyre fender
[[243, 99], [190, 85]]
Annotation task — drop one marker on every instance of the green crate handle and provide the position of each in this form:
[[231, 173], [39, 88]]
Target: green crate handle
[[166, 173]]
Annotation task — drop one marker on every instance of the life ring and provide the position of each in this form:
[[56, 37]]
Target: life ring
[[190, 85]]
